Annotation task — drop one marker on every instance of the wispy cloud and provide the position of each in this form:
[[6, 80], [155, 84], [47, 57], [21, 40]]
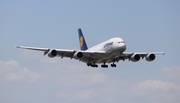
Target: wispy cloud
[[11, 71], [91, 84], [8, 66], [155, 86], [173, 72], [23, 75], [83, 79], [86, 94]]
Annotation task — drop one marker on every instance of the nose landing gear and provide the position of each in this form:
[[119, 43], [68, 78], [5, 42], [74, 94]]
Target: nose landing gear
[[104, 66]]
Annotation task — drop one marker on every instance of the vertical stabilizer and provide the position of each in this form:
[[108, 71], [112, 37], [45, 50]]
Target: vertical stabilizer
[[82, 41]]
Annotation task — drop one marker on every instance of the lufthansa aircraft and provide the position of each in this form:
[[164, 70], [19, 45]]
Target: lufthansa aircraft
[[110, 51]]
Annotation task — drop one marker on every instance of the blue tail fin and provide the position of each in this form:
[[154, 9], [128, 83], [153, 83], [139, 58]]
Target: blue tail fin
[[82, 41]]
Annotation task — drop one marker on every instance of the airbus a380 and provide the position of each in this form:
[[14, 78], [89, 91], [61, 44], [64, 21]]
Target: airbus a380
[[110, 51]]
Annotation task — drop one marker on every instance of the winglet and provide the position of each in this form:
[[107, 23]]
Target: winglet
[[17, 46], [82, 41]]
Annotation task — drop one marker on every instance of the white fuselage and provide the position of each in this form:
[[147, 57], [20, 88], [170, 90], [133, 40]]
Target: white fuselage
[[112, 47]]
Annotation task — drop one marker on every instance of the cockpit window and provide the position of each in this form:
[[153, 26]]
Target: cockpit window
[[121, 42]]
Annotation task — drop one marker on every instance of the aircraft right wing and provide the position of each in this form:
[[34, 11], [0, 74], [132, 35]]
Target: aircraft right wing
[[52, 52], [80, 55]]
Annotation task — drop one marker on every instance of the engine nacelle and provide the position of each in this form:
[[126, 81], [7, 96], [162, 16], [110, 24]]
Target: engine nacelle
[[78, 55], [52, 53], [150, 57], [135, 57]]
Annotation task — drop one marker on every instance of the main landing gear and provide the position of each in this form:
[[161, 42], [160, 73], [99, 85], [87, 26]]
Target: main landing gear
[[103, 65], [113, 65], [92, 65], [106, 66]]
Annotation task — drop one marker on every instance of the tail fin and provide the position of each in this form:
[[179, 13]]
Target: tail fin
[[82, 41]]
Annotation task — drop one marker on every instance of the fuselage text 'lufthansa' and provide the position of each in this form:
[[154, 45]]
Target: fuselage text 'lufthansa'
[[108, 44]]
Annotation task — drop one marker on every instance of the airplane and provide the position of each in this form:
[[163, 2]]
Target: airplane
[[110, 51]]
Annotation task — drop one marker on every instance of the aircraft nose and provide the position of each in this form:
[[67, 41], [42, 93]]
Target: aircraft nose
[[123, 46]]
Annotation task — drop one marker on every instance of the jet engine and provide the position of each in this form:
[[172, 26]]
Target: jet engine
[[78, 55], [52, 53], [135, 57], [150, 57]]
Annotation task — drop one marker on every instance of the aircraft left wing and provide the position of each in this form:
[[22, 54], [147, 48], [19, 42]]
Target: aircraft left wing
[[150, 56]]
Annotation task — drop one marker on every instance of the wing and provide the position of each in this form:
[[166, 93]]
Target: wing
[[130, 55], [32, 48], [59, 52], [87, 55]]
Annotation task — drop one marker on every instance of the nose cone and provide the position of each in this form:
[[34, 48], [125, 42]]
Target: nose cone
[[123, 46]]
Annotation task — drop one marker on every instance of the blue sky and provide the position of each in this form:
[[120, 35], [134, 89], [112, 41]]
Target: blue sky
[[28, 76]]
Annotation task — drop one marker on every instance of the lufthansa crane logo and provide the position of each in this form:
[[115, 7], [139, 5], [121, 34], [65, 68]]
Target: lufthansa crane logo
[[81, 40]]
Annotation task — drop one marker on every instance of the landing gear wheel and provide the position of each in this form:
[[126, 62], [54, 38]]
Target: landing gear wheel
[[104, 66], [92, 65], [89, 64], [113, 65]]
